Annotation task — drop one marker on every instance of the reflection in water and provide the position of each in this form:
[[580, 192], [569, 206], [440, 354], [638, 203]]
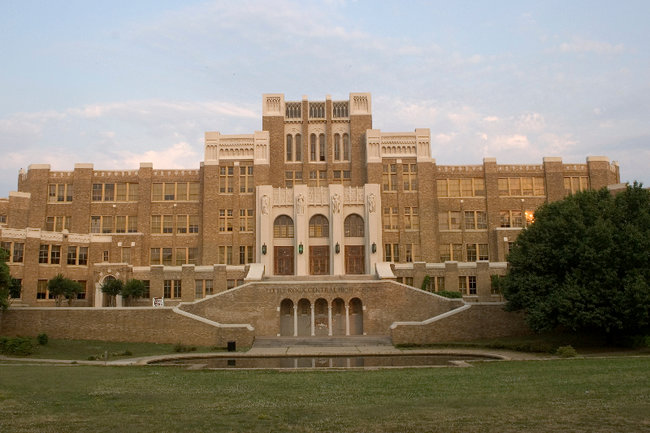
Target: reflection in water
[[323, 362]]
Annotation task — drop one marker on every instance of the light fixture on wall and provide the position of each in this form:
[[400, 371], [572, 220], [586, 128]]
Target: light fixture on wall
[[337, 248], [300, 248], [264, 249], [373, 248]]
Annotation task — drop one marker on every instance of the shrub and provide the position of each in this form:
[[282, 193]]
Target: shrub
[[16, 346], [449, 294], [42, 339], [181, 348], [566, 352]]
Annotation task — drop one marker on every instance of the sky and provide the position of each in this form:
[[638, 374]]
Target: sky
[[116, 83]]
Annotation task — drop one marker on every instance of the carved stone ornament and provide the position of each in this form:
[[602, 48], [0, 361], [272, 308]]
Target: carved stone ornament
[[371, 203], [265, 205], [300, 204], [336, 203]]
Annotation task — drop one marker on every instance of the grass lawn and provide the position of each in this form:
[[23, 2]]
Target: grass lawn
[[577, 395], [83, 349]]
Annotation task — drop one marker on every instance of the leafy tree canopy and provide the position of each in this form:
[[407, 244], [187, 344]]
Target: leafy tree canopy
[[584, 264], [61, 287], [133, 289], [6, 282]]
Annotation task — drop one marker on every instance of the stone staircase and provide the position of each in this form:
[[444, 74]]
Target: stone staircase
[[355, 340]]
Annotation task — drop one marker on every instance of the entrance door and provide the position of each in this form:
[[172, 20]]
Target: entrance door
[[319, 260], [354, 259], [283, 257]]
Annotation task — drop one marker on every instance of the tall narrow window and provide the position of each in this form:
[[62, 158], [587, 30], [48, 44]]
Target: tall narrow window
[[312, 147], [337, 147], [346, 147], [298, 147], [321, 147], [289, 147]]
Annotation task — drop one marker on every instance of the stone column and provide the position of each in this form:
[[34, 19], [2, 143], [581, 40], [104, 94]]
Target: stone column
[[329, 319], [311, 307], [347, 319], [295, 320]]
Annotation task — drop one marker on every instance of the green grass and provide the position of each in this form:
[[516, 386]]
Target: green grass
[[83, 349], [577, 395]]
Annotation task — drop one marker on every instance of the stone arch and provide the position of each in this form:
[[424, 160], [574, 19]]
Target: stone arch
[[353, 226], [321, 320], [283, 227], [319, 226], [338, 317], [304, 317], [286, 317], [356, 316]]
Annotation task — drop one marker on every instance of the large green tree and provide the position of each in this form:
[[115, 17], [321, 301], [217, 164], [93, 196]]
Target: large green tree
[[133, 289], [63, 288], [584, 264], [112, 287]]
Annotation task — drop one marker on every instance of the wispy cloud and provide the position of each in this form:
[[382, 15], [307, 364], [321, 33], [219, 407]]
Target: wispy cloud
[[579, 45]]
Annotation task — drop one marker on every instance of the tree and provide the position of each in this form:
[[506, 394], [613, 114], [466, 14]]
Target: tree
[[133, 289], [6, 282], [584, 264], [112, 287], [63, 288]]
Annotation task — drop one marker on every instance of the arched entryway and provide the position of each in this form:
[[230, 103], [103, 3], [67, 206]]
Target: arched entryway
[[286, 317], [304, 317], [356, 317], [321, 320], [338, 317]]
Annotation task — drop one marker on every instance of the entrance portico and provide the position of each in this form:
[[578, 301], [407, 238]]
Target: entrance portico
[[321, 317]]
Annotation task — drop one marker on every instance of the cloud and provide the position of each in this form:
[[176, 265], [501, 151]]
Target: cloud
[[179, 155], [578, 45]]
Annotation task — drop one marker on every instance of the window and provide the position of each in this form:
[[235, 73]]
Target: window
[[161, 256], [317, 110], [203, 288], [410, 177], [246, 220], [411, 253], [353, 226], [436, 283], [72, 255], [172, 289], [318, 227], [312, 147], [321, 147], [411, 218], [477, 252], [126, 255], [57, 223], [465, 187], [225, 220], [475, 220], [59, 192], [3, 219], [126, 192], [187, 224], [521, 186], [246, 254], [14, 250], [41, 289], [292, 177], [181, 256], [389, 177], [168, 224], [283, 227], [339, 109], [289, 148], [246, 184], [147, 289], [83, 256], [574, 184], [175, 191], [390, 218], [451, 252], [102, 224], [467, 285], [346, 147], [44, 254], [105, 256], [82, 293], [225, 255], [337, 147], [225, 179], [510, 218], [317, 178], [391, 252], [449, 220]]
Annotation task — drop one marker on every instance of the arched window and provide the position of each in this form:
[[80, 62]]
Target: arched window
[[321, 147], [298, 147], [289, 147], [353, 226], [318, 227], [283, 227], [312, 147], [346, 147], [337, 147]]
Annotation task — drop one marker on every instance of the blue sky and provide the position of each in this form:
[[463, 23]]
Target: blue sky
[[117, 83]]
